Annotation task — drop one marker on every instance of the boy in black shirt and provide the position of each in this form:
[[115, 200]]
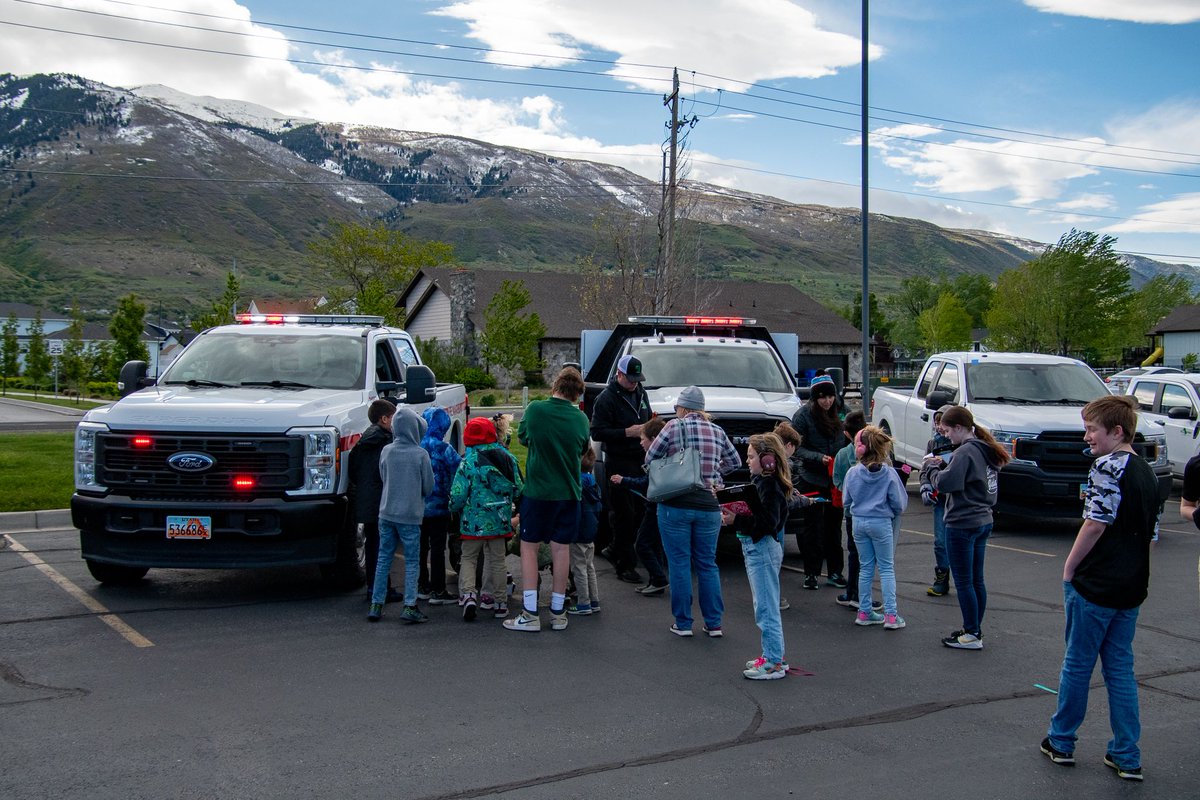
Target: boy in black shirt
[[1105, 580]]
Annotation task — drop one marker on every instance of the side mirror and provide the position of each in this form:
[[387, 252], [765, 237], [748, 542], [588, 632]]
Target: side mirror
[[1181, 412], [133, 377], [936, 400], [387, 388], [419, 385]]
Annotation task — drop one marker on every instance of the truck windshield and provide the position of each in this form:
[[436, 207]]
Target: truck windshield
[[1036, 384], [286, 361], [751, 368]]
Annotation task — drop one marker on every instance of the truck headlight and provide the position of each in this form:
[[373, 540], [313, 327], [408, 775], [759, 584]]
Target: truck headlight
[[85, 456], [1008, 440], [1160, 442], [320, 460]]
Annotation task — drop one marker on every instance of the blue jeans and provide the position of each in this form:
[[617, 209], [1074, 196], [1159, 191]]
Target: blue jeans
[[763, 560], [940, 561], [876, 542], [965, 547], [392, 534], [1093, 631], [689, 538]]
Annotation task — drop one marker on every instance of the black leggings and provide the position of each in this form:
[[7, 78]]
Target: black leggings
[[819, 534]]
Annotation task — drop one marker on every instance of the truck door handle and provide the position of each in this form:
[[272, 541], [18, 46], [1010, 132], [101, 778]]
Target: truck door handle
[[924, 418], [1160, 422]]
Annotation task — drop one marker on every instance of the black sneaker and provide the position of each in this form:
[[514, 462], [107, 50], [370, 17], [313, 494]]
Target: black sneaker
[[961, 640], [629, 575], [1066, 759], [375, 613], [394, 596], [413, 616], [1128, 773], [836, 580], [442, 598], [847, 600], [811, 582]]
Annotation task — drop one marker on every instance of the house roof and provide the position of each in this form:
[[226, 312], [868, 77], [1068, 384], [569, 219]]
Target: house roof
[[1183, 319], [274, 305], [26, 311], [555, 297]]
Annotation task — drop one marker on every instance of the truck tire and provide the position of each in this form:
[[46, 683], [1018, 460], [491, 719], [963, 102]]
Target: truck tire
[[116, 574], [349, 568]]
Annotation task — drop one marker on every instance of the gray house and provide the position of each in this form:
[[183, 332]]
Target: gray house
[[448, 305], [1178, 334]]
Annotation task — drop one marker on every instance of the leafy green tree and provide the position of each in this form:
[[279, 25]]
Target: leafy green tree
[[37, 359], [1077, 289], [223, 308], [1014, 321], [1147, 306], [510, 339], [126, 328], [10, 350], [916, 295], [74, 362], [975, 290], [366, 265], [880, 325], [946, 326]]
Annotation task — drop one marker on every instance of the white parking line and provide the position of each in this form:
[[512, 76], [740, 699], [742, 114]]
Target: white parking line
[[92, 604], [989, 544]]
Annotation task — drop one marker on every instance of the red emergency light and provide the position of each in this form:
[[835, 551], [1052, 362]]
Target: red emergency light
[[244, 482], [143, 442]]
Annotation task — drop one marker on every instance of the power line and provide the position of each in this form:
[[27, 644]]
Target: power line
[[610, 62]]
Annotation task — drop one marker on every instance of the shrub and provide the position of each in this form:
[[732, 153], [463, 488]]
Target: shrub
[[474, 378], [488, 400], [102, 389]]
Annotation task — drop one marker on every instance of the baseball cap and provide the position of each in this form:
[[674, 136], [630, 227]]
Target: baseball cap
[[631, 366]]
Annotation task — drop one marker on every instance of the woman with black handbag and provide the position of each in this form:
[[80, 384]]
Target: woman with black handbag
[[690, 522]]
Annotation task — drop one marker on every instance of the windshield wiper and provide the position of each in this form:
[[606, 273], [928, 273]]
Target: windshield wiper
[[194, 382], [277, 384], [1003, 399], [1063, 401]]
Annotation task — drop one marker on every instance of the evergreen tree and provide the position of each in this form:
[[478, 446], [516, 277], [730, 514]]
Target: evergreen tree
[[74, 364], [223, 308], [37, 359], [510, 339], [126, 328], [10, 350]]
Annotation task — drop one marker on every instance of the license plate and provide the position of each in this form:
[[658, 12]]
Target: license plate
[[189, 527]]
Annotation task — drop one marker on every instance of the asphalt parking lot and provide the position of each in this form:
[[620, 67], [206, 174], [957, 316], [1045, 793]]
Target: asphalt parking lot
[[264, 684]]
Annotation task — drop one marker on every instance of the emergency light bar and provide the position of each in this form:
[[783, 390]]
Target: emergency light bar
[[694, 320], [311, 319]]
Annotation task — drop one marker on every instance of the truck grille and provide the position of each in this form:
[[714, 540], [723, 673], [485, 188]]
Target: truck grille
[[137, 465], [1063, 451]]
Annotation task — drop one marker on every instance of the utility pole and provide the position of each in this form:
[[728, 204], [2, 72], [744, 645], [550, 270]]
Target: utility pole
[[866, 272], [668, 256]]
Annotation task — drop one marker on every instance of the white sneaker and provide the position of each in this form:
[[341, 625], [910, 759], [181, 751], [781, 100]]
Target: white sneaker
[[524, 622], [558, 622]]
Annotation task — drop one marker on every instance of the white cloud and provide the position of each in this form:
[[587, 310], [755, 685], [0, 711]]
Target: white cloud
[[1180, 214], [1095, 202], [1173, 12], [753, 39]]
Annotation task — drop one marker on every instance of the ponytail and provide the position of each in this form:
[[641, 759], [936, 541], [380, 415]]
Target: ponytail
[[957, 416]]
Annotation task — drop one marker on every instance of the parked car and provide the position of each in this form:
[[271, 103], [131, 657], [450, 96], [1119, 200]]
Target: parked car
[[1172, 402], [1118, 382]]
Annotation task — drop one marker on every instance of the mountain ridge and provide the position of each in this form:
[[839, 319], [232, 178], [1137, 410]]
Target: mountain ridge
[[108, 190]]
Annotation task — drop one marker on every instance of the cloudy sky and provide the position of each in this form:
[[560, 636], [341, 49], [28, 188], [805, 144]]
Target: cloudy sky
[[1026, 117]]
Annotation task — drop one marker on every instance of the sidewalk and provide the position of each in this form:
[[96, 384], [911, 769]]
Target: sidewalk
[[25, 521], [53, 409]]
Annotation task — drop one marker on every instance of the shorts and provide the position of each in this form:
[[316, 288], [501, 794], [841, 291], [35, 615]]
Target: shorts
[[549, 520]]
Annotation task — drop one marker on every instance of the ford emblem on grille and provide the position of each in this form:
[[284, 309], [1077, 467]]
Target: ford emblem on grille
[[191, 462]]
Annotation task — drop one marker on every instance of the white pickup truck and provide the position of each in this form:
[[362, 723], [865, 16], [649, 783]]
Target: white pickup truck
[[1030, 402], [1171, 402], [237, 456], [746, 372]]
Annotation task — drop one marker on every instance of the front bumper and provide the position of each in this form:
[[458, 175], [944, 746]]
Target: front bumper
[[1031, 492], [266, 532]]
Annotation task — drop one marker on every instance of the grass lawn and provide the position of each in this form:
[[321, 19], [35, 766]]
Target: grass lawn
[[51, 400], [36, 470]]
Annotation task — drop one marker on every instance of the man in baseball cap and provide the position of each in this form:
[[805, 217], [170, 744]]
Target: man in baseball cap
[[617, 419]]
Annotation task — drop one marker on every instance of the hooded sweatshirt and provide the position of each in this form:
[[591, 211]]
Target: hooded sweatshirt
[[443, 458], [969, 483], [874, 491], [405, 469], [364, 472]]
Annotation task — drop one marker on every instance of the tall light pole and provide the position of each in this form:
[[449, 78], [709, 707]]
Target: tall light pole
[[866, 290]]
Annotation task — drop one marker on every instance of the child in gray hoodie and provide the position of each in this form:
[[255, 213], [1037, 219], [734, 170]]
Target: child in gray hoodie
[[875, 497], [407, 475], [969, 483]]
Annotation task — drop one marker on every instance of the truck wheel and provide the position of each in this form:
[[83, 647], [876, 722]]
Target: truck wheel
[[116, 574], [349, 569]]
